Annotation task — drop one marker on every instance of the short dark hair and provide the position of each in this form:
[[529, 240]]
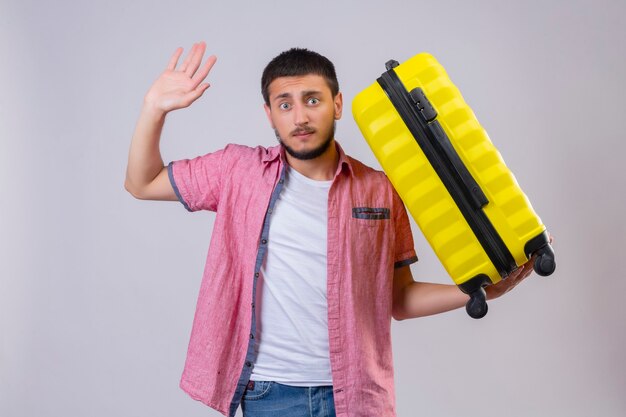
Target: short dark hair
[[296, 62]]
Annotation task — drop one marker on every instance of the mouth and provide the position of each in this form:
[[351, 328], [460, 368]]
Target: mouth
[[302, 134]]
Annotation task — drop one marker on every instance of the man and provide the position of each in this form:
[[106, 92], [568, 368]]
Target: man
[[309, 257]]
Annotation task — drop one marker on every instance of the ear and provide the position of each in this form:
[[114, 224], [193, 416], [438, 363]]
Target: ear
[[268, 111], [338, 102]]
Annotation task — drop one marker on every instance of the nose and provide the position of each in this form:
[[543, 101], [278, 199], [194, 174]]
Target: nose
[[300, 115]]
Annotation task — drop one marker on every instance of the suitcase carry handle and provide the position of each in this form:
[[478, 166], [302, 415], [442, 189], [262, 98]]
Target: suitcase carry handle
[[428, 112], [477, 195]]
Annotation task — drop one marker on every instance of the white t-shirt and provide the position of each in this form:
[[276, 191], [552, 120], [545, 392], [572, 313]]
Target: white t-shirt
[[292, 320]]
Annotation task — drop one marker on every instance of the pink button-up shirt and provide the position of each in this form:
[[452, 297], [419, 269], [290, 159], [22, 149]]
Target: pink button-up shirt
[[368, 235]]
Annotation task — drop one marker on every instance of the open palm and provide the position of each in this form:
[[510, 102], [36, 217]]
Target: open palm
[[178, 88]]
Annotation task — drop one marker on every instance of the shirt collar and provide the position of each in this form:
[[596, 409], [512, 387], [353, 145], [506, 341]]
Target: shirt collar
[[278, 151], [273, 153], [344, 161]]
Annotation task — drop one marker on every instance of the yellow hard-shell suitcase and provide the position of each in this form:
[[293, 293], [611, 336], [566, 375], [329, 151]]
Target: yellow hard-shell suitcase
[[450, 176]]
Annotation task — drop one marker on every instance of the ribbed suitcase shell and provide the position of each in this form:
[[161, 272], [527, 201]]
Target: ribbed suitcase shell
[[421, 189]]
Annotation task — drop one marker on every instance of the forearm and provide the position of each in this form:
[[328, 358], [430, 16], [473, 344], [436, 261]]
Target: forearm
[[144, 159], [420, 299]]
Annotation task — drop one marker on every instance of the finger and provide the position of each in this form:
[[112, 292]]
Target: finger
[[196, 59], [185, 63], [528, 269], [194, 94], [174, 59], [516, 275], [521, 272], [204, 71]]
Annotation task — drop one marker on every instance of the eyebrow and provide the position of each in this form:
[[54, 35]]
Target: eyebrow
[[304, 94]]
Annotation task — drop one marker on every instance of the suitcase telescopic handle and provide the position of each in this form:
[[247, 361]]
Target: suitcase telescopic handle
[[391, 64]]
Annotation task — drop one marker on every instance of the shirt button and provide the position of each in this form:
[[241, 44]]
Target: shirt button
[[248, 364], [281, 181], [269, 211], [251, 336], [264, 241], [256, 274], [252, 305]]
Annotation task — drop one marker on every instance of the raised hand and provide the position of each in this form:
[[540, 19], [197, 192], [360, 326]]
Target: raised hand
[[178, 88]]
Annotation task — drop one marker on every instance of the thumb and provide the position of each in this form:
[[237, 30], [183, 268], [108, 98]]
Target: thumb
[[199, 90], [193, 95]]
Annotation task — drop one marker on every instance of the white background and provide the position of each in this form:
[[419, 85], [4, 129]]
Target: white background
[[98, 290]]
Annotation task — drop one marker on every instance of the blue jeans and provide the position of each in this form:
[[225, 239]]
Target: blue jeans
[[271, 399]]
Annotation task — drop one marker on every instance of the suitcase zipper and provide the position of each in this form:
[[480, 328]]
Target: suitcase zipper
[[419, 117]]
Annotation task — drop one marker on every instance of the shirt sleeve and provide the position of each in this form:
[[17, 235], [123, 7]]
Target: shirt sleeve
[[197, 181], [405, 250]]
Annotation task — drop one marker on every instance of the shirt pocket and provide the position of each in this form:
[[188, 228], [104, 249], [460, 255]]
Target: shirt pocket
[[371, 216]]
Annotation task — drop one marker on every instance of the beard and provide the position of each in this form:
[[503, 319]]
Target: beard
[[312, 153]]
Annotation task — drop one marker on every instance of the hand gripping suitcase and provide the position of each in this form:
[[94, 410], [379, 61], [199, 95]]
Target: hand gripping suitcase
[[450, 176]]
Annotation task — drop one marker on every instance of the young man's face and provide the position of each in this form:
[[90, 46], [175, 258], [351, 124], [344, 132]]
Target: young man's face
[[302, 111]]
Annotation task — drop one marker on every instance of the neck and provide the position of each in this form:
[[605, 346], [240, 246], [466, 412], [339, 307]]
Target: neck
[[322, 168]]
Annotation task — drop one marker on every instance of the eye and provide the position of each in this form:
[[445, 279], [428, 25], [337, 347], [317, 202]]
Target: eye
[[284, 106], [313, 101]]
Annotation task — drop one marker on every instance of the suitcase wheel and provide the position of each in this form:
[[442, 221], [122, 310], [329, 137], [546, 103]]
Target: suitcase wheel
[[477, 307], [544, 262]]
